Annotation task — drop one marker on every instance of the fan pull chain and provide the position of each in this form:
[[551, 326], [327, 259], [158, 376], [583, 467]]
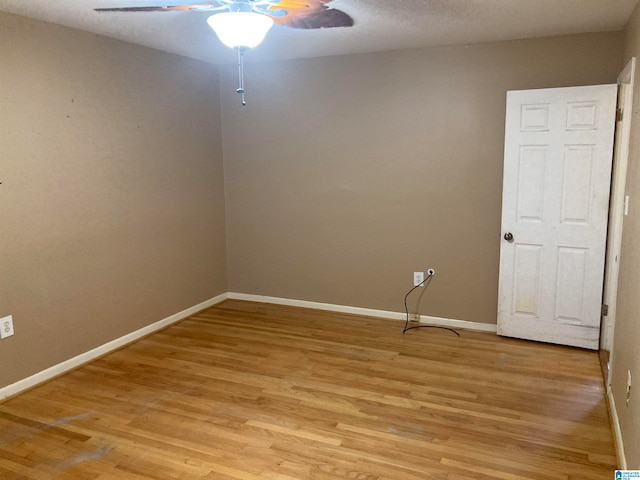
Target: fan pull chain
[[240, 88]]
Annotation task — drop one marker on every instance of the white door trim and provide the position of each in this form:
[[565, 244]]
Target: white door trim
[[616, 209]]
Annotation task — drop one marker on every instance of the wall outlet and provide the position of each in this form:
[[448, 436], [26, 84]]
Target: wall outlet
[[414, 317], [6, 326], [431, 272], [418, 278]]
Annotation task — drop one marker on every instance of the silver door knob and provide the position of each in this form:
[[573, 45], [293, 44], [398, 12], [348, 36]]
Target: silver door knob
[[508, 237]]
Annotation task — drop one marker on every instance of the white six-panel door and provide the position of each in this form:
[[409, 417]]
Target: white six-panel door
[[557, 171]]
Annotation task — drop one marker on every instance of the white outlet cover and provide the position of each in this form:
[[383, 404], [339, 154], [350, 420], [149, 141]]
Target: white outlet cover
[[6, 326]]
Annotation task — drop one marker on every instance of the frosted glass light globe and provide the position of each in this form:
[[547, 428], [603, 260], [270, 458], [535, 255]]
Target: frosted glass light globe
[[240, 29]]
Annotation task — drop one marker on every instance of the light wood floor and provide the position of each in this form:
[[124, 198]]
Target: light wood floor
[[251, 391]]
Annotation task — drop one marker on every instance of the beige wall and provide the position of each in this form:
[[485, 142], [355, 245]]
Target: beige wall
[[345, 174], [626, 347], [112, 202]]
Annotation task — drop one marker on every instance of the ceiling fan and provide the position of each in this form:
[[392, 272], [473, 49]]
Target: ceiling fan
[[306, 14], [243, 24]]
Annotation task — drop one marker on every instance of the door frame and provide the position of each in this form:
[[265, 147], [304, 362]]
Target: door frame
[[616, 206]]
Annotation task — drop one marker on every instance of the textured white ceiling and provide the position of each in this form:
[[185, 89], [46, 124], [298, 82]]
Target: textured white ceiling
[[379, 24]]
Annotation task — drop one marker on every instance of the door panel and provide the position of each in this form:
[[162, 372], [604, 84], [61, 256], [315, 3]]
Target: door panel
[[558, 153], [576, 185], [531, 181], [526, 275]]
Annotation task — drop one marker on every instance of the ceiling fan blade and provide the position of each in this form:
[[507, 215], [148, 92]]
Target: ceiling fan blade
[[310, 14], [272, 13], [323, 19], [210, 7]]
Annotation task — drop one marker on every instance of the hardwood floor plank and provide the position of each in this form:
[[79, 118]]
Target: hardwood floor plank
[[250, 391]]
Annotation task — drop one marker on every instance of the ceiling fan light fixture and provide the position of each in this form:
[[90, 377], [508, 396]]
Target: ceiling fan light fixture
[[240, 29]]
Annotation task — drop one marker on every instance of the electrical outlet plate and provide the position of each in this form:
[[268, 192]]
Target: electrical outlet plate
[[418, 278], [6, 326], [414, 317]]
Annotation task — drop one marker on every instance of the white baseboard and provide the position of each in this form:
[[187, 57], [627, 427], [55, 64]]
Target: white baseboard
[[445, 322], [97, 352], [83, 358], [617, 432]]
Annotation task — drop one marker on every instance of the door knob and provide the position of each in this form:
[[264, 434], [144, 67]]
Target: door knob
[[508, 237]]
